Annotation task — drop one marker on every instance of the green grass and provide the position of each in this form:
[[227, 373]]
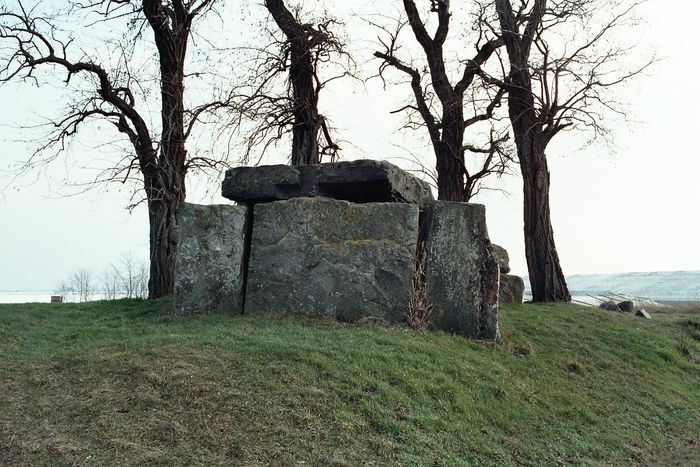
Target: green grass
[[124, 382]]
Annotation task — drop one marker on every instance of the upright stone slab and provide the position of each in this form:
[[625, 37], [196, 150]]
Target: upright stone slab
[[210, 255], [511, 289], [461, 271], [361, 181], [319, 256]]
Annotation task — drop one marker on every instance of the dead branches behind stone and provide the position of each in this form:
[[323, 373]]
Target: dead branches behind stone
[[419, 309]]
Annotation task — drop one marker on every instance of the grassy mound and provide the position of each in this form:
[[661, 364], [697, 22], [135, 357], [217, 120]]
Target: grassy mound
[[125, 383]]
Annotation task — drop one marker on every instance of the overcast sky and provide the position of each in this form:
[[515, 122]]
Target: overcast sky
[[628, 208]]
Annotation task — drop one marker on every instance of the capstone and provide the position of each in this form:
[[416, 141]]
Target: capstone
[[361, 181], [262, 184]]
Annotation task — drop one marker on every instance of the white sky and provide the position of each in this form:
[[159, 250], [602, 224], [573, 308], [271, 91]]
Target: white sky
[[632, 209]]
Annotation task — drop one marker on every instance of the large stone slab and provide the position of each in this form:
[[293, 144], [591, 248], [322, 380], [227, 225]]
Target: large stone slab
[[318, 256], [511, 289], [461, 271], [209, 274], [361, 181], [262, 184]]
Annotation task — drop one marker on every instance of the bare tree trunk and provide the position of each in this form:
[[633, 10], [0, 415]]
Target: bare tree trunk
[[546, 277], [306, 119], [165, 187], [301, 76], [162, 216], [450, 154], [449, 175]]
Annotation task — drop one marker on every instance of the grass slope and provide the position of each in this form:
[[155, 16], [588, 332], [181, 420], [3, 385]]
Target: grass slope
[[125, 383]]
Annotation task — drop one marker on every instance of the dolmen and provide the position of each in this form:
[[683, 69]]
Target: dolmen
[[348, 240]]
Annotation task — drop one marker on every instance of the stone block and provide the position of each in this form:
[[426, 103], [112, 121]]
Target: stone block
[[609, 305], [361, 181], [626, 306], [502, 258], [262, 184], [318, 256], [511, 289], [209, 273], [461, 271]]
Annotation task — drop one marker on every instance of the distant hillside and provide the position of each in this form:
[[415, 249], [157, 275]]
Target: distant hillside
[[678, 286]]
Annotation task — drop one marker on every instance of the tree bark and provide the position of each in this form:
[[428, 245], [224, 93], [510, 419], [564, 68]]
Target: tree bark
[[546, 277], [306, 120], [162, 217], [301, 77], [449, 153], [165, 185]]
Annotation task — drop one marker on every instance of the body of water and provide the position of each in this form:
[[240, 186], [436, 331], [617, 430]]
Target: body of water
[[45, 297], [678, 286], [682, 286]]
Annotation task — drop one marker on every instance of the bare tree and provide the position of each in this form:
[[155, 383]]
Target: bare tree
[[81, 283], [131, 275], [127, 278], [110, 284], [304, 46], [558, 77], [64, 288], [127, 275], [280, 96], [33, 42], [141, 290], [446, 126]]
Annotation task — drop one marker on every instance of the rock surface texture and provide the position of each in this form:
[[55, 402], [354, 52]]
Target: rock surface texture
[[361, 181], [609, 305], [208, 270], [511, 289], [262, 184], [320, 256], [626, 306], [502, 258], [461, 270]]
